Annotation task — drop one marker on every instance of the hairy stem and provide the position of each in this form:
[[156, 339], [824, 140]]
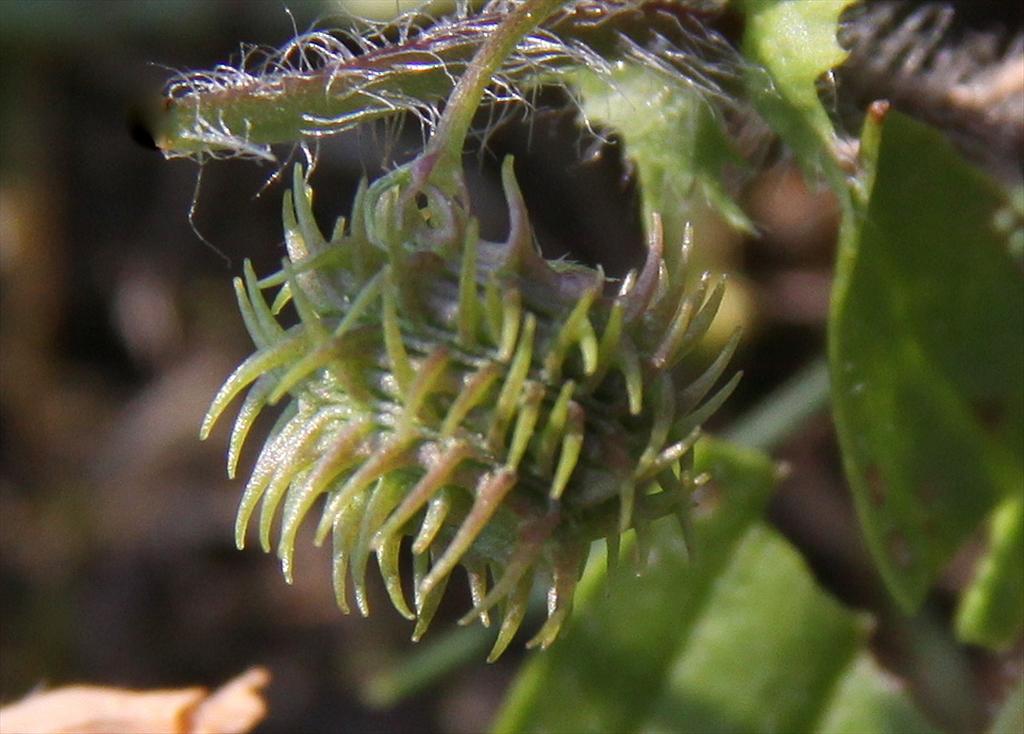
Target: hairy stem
[[316, 86], [449, 138]]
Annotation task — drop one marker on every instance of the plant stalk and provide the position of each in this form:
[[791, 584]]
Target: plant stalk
[[448, 140]]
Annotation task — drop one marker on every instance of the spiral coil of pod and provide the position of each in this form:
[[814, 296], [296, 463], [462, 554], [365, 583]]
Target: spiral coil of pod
[[500, 410]]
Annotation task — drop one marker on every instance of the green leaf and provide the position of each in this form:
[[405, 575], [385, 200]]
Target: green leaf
[[673, 136], [605, 672], [992, 610], [765, 652], [868, 699], [793, 43], [926, 342], [741, 639]]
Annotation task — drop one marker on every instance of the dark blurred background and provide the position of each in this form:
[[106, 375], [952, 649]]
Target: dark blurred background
[[117, 564]]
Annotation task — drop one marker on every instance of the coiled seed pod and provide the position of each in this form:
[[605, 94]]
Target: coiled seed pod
[[501, 410]]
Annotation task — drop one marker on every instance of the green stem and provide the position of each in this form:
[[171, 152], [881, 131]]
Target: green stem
[[426, 665], [449, 137], [776, 417], [246, 112], [259, 105]]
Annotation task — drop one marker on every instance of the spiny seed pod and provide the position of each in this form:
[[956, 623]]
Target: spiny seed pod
[[502, 410]]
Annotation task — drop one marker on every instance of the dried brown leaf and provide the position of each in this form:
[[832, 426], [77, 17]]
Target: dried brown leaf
[[234, 708]]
